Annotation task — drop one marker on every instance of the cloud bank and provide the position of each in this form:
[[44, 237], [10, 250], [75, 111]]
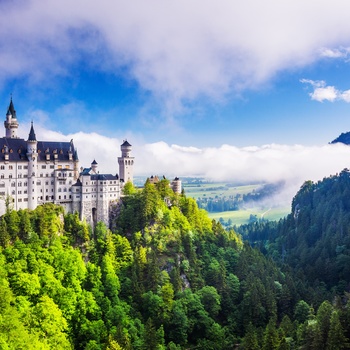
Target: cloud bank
[[266, 164], [179, 50]]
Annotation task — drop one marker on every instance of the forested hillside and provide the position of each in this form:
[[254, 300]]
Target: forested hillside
[[164, 277]]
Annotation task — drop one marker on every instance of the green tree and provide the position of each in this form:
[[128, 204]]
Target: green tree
[[250, 340], [336, 338], [4, 235], [302, 311], [50, 323], [210, 299], [270, 341]]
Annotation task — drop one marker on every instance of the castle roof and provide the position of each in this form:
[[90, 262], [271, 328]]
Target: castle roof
[[17, 149], [11, 110], [102, 177], [126, 144], [78, 183], [32, 136]]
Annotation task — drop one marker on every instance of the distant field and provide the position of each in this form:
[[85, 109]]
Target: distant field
[[238, 217], [241, 217], [217, 189]]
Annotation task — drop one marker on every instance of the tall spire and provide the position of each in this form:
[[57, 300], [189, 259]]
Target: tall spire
[[11, 123], [11, 110], [32, 136]]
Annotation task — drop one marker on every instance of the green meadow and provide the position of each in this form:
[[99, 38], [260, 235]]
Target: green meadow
[[237, 217]]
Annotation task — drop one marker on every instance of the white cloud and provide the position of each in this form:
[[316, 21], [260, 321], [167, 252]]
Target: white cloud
[[177, 50], [322, 92], [269, 163], [328, 93], [334, 53]]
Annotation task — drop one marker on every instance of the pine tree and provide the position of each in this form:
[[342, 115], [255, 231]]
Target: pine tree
[[271, 341], [336, 338], [250, 341]]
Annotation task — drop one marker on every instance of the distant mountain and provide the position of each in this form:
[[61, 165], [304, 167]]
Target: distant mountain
[[343, 138]]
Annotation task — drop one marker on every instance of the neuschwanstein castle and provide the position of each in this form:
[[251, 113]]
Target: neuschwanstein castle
[[34, 172]]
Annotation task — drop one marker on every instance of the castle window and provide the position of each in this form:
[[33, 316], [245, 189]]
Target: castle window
[[10, 176], [19, 192], [64, 196], [2, 193], [2, 167], [25, 199], [13, 184], [10, 167], [20, 184], [47, 182], [20, 167], [19, 199], [64, 190], [25, 192], [43, 167], [13, 192], [19, 176], [25, 184], [67, 166], [52, 167], [59, 190], [2, 176], [59, 167], [59, 197], [25, 167], [41, 175]]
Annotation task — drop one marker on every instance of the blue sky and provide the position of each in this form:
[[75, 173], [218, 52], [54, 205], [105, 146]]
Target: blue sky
[[179, 79]]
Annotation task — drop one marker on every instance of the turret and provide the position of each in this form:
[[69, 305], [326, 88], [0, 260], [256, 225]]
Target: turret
[[94, 166], [11, 123], [32, 155], [126, 163]]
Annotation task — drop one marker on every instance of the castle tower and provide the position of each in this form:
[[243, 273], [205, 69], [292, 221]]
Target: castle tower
[[32, 155], [11, 123], [94, 166], [126, 163]]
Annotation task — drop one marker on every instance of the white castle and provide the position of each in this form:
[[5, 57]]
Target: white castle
[[36, 172]]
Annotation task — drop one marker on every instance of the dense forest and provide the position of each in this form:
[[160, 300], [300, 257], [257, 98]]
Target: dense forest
[[165, 276]]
